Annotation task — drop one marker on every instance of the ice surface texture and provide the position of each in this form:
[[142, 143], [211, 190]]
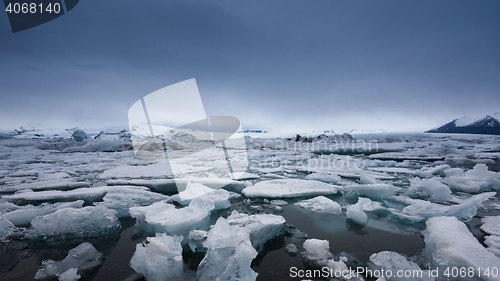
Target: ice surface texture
[[72, 223], [449, 243], [81, 259], [229, 254], [159, 259], [287, 188]]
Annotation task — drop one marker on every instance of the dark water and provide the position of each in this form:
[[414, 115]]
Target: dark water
[[272, 264]]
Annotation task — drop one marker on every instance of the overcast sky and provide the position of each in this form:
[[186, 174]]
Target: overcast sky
[[287, 65]]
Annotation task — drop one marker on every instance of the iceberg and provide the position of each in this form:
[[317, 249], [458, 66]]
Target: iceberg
[[316, 252], [163, 217], [260, 227], [420, 210], [491, 225], [159, 259], [229, 254], [70, 223], [23, 215], [356, 213], [219, 197], [430, 189], [373, 191], [80, 260], [394, 262], [289, 188], [448, 243], [321, 205]]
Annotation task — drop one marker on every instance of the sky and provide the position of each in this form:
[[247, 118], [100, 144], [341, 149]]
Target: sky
[[281, 66]]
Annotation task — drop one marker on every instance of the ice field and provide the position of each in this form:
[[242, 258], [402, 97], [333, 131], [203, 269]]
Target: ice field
[[90, 208]]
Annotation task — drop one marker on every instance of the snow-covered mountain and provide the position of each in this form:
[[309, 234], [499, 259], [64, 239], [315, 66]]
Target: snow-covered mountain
[[489, 125]]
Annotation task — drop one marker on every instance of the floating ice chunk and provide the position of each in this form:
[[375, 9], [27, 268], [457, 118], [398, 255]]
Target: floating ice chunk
[[72, 223], [367, 179], [97, 145], [196, 239], [321, 204], [292, 250], [90, 194], [421, 210], [219, 197], [439, 170], [80, 260], [79, 135], [324, 176], [49, 184], [316, 252], [24, 215], [430, 189], [122, 198], [6, 229], [491, 225], [394, 262], [278, 202], [473, 181], [448, 243], [162, 217], [169, 186], [357, 214], [288, 188], [159, 259], [229, 254], [373, 191], [153, 171], [485, 178], [261, 227], [69, 275]]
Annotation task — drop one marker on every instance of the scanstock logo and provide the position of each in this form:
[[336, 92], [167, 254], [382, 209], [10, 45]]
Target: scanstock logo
[[26, 14], [170, 128]]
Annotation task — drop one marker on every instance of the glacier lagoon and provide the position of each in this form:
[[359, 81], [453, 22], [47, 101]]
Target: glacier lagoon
[[377, 200]]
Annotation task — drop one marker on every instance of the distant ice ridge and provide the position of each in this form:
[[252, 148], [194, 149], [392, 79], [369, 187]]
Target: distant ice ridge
[[80, 260], [159, 258], [448, 243]]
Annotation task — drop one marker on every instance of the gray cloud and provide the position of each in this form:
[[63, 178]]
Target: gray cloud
[[276, 65]]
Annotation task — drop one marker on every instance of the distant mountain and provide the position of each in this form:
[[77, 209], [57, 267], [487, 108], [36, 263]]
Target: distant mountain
[[488, 125]]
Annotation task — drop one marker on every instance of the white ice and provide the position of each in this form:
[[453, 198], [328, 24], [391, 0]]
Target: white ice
[[159, 259], [321, 204], [373, 191], [430, 189], [163, 217], [394, 262], [491, 225], [288, 188], [420, 210], [219, 197], [316, 252], [449, 243], [260, 227], [70, 223], [357, 214], [229, 254], [83, 258]]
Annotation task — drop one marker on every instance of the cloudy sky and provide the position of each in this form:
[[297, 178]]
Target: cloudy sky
[[276, 65]]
